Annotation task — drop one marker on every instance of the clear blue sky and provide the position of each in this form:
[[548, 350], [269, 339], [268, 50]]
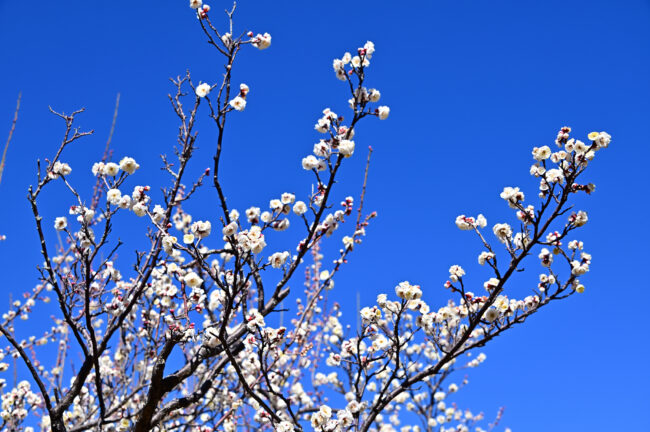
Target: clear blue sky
[[472, 85]]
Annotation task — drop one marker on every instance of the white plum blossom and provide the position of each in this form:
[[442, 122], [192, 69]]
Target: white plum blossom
[[299, 208], [262, 41], [278, 259], [383, 112], [578, 219], [111, 169], [346, 148], [456, 272], [202, 90], [238, 103], [129, 165], [192, 279], [114, 196], [61, 223], [541, 153], [554, 176], [502, 231], [513, 196]]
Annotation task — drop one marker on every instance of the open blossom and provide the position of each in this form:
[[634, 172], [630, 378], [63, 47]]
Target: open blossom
[[546, 257], [262, 41], [129, 165], [554, 175], [456, 272], [578, 219], [310, 162], [114, 196], [299, 208], [201, 229], [382, 112], [278, 259], [287, 198], [484, 257], [238, 103], [253, 215], [491, 284], [111, 169], [60, 168], [512, 195], [578, 268], [601, 139], [140, 209], [502, 231], [465, 222], [541, 153], [407, 291], [202, 90], [491, 314], [195, 4], [192, 279], [346, 148], [252, 240], [230, 229], [60, 223]]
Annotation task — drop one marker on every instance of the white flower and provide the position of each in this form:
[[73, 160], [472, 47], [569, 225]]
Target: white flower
[[578, 219], [111, 169], [546, 257], [202, 90], [98, 168], [278, 259], [129, 165], [491, 284], [192, 279], [230, 229], [60, 223], [125, 202], [541, 153], [456, 272], [465, 222], [60, 168], [601, 139], [484, 257], [195, 4], [346, 148], [211, 337], [262, 41], [512, 195], [140, 209], [287, 198], [253, 214], [114, 196], [310, 162], [502, 231], [382, 112], [579, 268], [374, 95], [407, 291], [300, 208], [238, 103], [481, 222], [201, 229], [554, 175], [491, 314]]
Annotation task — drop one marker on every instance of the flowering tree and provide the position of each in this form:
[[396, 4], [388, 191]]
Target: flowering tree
[[181, 338]]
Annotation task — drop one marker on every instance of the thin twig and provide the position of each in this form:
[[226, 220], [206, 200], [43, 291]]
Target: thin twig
[[11, 133]]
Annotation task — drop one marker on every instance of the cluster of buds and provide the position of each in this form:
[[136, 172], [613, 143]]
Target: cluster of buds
[[562, 136]]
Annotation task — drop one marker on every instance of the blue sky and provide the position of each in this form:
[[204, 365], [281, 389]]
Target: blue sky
[[472, 87]]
